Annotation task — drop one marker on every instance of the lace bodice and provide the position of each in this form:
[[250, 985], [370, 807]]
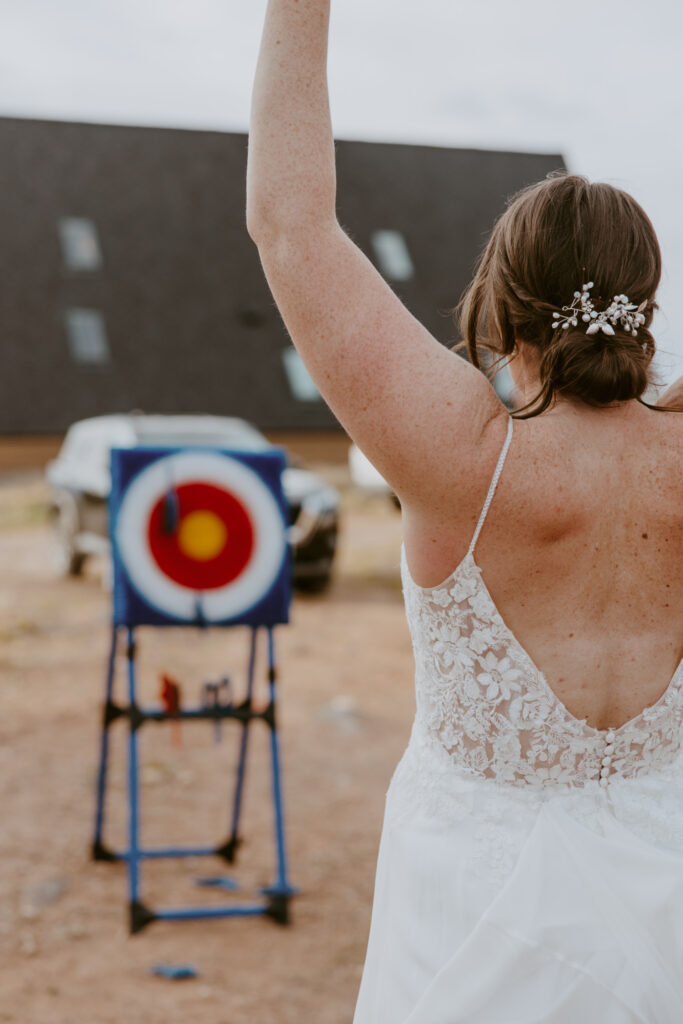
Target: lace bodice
[[483, 700]]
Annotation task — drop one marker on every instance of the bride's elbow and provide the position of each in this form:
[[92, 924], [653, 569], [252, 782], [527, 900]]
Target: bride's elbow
[[279, 239], [260, 221]]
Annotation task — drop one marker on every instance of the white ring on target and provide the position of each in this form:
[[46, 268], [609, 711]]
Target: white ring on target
[[160, 590]]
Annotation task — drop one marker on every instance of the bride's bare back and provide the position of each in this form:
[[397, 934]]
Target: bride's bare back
[[582, 551]]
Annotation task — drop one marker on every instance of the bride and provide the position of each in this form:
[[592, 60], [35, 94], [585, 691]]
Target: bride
[[531, 861]]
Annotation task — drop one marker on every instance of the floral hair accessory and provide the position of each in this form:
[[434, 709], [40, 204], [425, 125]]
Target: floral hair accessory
[[620, 312]]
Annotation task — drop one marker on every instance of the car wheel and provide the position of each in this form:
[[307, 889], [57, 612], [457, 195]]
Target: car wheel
[[313, 584], [76, 563], [69, 561]]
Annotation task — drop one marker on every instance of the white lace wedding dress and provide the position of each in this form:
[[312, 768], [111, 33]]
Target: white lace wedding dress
[[530, 867]]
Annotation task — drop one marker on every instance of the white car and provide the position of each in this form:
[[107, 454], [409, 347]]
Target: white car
[[80, 482]]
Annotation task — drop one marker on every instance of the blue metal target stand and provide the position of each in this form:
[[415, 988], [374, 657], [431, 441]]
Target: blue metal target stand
[[199, 538]]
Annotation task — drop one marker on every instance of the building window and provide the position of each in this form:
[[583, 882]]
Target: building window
[[392, 255], [80, 244], [300, 381], [87, 337]]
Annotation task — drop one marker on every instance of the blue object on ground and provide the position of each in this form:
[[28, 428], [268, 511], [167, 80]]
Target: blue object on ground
[[175, 973], [218, 882]]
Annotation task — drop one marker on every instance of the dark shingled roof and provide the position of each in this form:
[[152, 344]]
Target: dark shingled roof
[[190, 322]]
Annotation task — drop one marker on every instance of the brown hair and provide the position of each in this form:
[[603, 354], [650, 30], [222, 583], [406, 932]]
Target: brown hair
[[554, 237]]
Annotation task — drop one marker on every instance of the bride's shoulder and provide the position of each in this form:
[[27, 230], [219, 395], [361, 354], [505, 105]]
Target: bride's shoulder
[[672, 397]]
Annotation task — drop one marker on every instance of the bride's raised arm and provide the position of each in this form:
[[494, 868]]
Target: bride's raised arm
[[410, 403]]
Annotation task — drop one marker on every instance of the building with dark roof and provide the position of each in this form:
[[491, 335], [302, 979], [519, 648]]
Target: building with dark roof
[[128, 280]]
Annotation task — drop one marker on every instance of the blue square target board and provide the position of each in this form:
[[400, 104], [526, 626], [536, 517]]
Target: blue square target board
[[199, 537]]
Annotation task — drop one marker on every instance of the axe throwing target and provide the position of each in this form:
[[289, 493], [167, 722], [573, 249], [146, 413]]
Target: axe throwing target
[[200, 535]]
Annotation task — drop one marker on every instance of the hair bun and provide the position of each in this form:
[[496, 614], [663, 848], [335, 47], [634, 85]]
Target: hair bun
[[596, 368]]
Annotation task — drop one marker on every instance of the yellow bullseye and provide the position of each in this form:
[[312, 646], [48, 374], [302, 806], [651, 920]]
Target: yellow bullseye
[[202, 535]]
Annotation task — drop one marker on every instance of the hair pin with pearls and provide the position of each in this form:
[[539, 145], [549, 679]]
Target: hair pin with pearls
[[620, 312]]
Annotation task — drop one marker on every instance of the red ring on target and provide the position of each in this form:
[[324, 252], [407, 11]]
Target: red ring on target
[[187, 563]]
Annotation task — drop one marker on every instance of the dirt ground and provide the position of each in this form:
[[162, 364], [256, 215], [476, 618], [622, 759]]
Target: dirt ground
[[346, 705]]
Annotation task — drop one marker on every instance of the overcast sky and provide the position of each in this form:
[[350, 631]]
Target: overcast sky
[[600, 81]]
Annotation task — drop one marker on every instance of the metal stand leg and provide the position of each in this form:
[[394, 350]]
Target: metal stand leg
[[140, 915], [99, 850], [229, 849], [281, 891]]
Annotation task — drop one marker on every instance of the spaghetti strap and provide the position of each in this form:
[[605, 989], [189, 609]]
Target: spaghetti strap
[[492, 486]]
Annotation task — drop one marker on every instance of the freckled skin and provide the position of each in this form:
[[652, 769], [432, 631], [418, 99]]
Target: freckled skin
[[587, 590], [584, 539]]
